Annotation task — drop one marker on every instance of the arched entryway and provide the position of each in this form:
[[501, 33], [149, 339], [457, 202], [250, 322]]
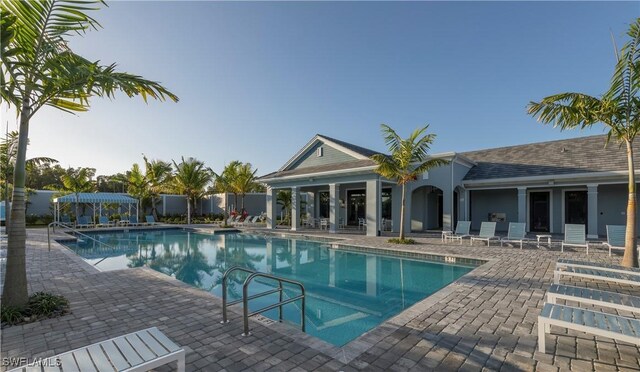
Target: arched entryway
[[426, 208]]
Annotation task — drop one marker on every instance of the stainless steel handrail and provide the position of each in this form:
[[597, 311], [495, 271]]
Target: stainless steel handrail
[[55, 223], [245, 297]]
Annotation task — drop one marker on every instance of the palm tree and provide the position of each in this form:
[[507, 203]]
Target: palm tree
[[191, 179], [245, 181], [39, 69], [158, 175], [137, 185], [408, 159], [77, 181], [618, 109], [231, 174], [8, 152], [283, 198]]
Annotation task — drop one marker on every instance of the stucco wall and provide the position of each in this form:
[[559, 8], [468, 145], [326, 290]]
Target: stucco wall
[[484, 202], [39, 202]]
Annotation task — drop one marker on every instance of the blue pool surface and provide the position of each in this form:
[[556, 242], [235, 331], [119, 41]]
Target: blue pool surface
[[348, 292]]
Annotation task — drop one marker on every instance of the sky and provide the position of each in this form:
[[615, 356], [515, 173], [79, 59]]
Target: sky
[[257, 80]]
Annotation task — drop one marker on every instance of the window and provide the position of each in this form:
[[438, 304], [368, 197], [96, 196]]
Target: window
[[319, 152]]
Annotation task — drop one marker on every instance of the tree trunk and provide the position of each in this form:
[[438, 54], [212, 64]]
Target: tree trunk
[[15, 282], [235, 205], [402, 213], [630, 258], [242, 201], [154, 210]]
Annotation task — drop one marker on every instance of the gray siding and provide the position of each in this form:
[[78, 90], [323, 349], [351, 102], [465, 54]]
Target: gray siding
[[330, 155], [484, 202], [39, 202]]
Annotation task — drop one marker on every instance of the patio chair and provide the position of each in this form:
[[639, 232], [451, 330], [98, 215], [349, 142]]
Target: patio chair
[[150, 220], [563, 263], [574, 236], [615, 237], [590, 296], [65, 219], [137, 351], [362, 223], [133, 221], [462, 231], [591, 322], [487, 233], [103, 221], [84, 221], [598, 273], [516, 234]]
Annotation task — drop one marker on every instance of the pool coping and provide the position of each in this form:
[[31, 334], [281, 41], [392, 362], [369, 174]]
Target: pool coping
[[359, 345]]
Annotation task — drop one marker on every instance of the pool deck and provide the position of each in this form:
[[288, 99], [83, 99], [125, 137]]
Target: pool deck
[[486, 320]]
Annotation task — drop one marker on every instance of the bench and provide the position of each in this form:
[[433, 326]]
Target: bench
[[596, 297], [137, 351], [591, 322]]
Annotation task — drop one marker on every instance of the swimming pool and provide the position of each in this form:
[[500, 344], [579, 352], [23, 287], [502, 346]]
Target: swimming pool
[[348, 292]]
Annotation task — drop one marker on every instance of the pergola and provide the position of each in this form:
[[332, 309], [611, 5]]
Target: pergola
[[96, 200]]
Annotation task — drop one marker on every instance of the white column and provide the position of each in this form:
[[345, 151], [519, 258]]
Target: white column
[[334, 206], [373, 207], [522, 204], [592, 211], [295, 208], [271, 208]]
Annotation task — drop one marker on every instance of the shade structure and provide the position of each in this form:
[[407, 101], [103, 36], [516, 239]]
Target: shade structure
[[96, 198]]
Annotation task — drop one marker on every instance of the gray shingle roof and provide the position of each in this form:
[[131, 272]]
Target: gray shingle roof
[[577, 155], [321, 168]]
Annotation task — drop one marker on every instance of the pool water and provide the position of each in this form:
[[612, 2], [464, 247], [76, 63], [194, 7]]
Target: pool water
[[348, 292]]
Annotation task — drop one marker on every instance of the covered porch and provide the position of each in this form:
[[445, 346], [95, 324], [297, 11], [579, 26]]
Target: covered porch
[[364, 202]]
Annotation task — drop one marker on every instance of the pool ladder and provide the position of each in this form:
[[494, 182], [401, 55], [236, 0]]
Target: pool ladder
[[245, 297], [52, 226]]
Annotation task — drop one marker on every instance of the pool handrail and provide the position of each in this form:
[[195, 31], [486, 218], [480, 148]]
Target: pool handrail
[[245, 297], [56, 223]]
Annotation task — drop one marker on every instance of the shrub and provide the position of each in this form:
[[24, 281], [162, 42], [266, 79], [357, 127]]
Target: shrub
[[401, 241], [40, 305], [11, 314]]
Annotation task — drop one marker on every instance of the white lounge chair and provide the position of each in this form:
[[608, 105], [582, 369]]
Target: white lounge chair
[[617, 301], [630, 277], [516, 233], [574, 236], [591, 322], [615, 237], [462, 231], [487, 233], [138, 351], [564, 263], [362, 223]]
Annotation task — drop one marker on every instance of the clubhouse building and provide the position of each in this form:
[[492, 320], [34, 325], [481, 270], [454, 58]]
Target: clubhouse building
[[546, 185]]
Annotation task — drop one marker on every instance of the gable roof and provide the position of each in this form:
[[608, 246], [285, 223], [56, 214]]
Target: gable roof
[[359, 153], [570, 156]]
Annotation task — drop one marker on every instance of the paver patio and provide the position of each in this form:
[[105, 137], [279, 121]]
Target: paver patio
[[484, 321]]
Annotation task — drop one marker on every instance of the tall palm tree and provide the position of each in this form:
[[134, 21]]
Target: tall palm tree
[[283, 198], [245, 181], [191, 179], [231, 174], [408, 159], [618, 109], [39, 69], [137, 185], [222, 184], [8, 152], [158, 175]]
